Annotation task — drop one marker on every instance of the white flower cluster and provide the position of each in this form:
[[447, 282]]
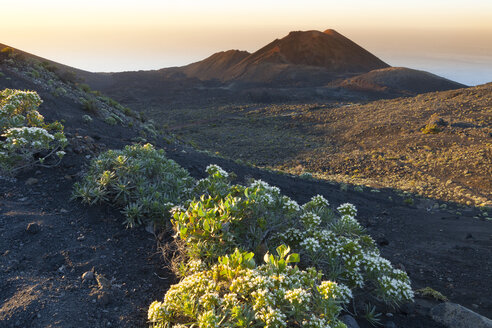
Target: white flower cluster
[[290, 204], [374, 263], [298, 296], [311, 245], [22, 128], [194, 266], [16, 100], [260, 185], [319, 200], [349, 223], [28, 131], [310, 220], [347, 209], [266, 199], [213, 169], [177, 209], [395, 289], [316, 322]]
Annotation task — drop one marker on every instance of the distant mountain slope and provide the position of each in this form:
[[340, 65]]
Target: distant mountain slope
[[296, 56], [61, 68], [398, 80], [302, 65], [214, 66]]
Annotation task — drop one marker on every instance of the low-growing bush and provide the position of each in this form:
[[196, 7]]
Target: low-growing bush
[[8, 52], [89, 105], [430, 128], [87, 119], [58, 92], [139, 179], [84, 87], [110, 120], [237, 293], [257, 217], [26, 139]]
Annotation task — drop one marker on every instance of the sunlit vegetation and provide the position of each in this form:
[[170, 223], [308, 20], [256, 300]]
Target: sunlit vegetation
[[223, 230], [26, 139]]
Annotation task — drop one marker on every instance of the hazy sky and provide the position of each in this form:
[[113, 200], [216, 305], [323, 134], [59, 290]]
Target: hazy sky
[[448, 37]]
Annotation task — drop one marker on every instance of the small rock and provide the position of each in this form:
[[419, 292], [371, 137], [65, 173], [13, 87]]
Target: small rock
[[382, 241], [103, 299], [87, 276], [62, 210], [33, 228], [349, 321], [31, 181], [389, 315], [390, 324], [89, 139]]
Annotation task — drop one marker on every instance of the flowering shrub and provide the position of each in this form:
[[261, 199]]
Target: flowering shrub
[[236, 293], [26, 139], [339, 247], [226, 217], [256, 217], [140, 179]]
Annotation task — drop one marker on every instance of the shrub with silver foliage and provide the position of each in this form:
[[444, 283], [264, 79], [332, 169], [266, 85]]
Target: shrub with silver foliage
[[139, 179]]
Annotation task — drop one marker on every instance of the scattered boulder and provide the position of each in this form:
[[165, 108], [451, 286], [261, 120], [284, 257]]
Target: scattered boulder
[[33, 228], [349, 321], [31, 181], [439, 121], [103, 299], [88, 276], [456, 316]]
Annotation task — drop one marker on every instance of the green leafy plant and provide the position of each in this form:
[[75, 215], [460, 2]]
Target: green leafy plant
[[430, 128], [237, 293], [87, 119], [431, 293], [90, 105], [139, 179], [84, 87], [110, 120], [371, 315], [58, 92], [256, 217], [26, 139]]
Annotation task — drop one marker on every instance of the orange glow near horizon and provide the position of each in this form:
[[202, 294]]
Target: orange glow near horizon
[[121, 35]]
